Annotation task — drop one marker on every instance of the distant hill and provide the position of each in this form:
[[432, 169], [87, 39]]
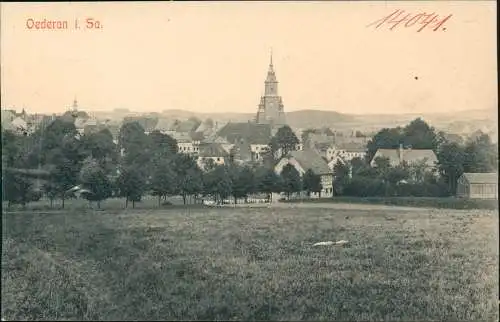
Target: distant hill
[[317, 119], [310, 118], [296, 119]]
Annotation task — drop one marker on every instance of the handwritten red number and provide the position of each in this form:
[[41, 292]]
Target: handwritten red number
[[423, 19], [414, 19], [428, 21], [397, 22], [442, 22], [383, 20]]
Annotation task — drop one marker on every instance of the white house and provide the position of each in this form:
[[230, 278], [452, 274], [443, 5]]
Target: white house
[[334, 161], [305, 160], [349, 154], [258, 150]]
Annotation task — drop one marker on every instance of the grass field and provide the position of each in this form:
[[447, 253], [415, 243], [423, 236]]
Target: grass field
[[422, 202], [250, 264]]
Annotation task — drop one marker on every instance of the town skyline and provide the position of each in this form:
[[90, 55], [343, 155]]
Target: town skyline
[[213, 58]]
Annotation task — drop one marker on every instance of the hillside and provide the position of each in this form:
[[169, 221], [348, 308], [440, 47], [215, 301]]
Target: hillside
[[463, 121]]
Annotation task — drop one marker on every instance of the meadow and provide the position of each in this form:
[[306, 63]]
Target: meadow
[[250, 263]]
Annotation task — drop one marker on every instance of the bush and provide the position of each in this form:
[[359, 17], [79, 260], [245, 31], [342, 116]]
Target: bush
[[35, 195], [364, 187]]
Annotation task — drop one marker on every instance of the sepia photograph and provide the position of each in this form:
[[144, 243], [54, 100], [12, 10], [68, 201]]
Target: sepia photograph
[[249, 161]]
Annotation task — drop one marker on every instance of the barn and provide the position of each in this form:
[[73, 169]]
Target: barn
[[478, 186]]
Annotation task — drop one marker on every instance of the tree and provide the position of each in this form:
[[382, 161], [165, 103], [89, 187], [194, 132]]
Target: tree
[[284, 141], [480, 154], [132, 138], [131, 184], [10, 148], [219, 183], [418, 170], [382, 166], [162, 144], [189, 176], [191, 183], [312, 182], [242, 180], [16, 189], [100, 146], [292, 181], [67, 161], [267, 181], [385, 139], [397, 174], [93, 178], [340, 177], [208, 164], [163, 179], [419, 135], [451, 158]]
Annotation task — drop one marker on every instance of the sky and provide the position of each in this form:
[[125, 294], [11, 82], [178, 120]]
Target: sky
[[214, 56]]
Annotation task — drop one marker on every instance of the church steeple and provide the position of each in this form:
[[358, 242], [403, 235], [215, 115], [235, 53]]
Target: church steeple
[[74, 108], [271, 109], [271, 84]]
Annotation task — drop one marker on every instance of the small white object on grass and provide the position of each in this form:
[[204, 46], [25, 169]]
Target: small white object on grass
[[329, 243]]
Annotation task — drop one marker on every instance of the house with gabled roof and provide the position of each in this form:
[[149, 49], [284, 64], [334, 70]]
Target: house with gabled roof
[[241, 152], [211, 151], [478, 186], [309, 160], [19, 125], [407, 156], [253, 133]]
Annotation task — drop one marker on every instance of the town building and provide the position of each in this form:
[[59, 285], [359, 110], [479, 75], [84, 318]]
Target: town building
[[478, 186], [407, 156], [305, 160], [211, 151]]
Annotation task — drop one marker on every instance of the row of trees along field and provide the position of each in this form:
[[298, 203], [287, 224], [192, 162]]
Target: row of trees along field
[[138, 164], [475, 154], [150, 164]]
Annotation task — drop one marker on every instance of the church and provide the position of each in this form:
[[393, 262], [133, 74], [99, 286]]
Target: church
[[270, 116], [271, 105]]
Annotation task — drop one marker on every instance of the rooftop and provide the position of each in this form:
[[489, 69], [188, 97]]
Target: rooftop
[[481, 177], [311, 160]]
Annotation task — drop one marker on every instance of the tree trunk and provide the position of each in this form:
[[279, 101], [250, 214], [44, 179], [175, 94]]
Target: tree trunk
[[98, 204], [159, 201], [184, 198], [63, 198], [126, 202], [133, 203], [235, 200], [51, 202]]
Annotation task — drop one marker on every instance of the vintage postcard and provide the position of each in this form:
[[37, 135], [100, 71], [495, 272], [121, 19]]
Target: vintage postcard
[[263, 160]]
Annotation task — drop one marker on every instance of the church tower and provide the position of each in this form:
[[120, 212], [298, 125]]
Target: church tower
[[271, 105]]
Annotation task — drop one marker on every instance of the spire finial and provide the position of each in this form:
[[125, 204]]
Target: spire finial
[[271, 63], [75, 104]]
